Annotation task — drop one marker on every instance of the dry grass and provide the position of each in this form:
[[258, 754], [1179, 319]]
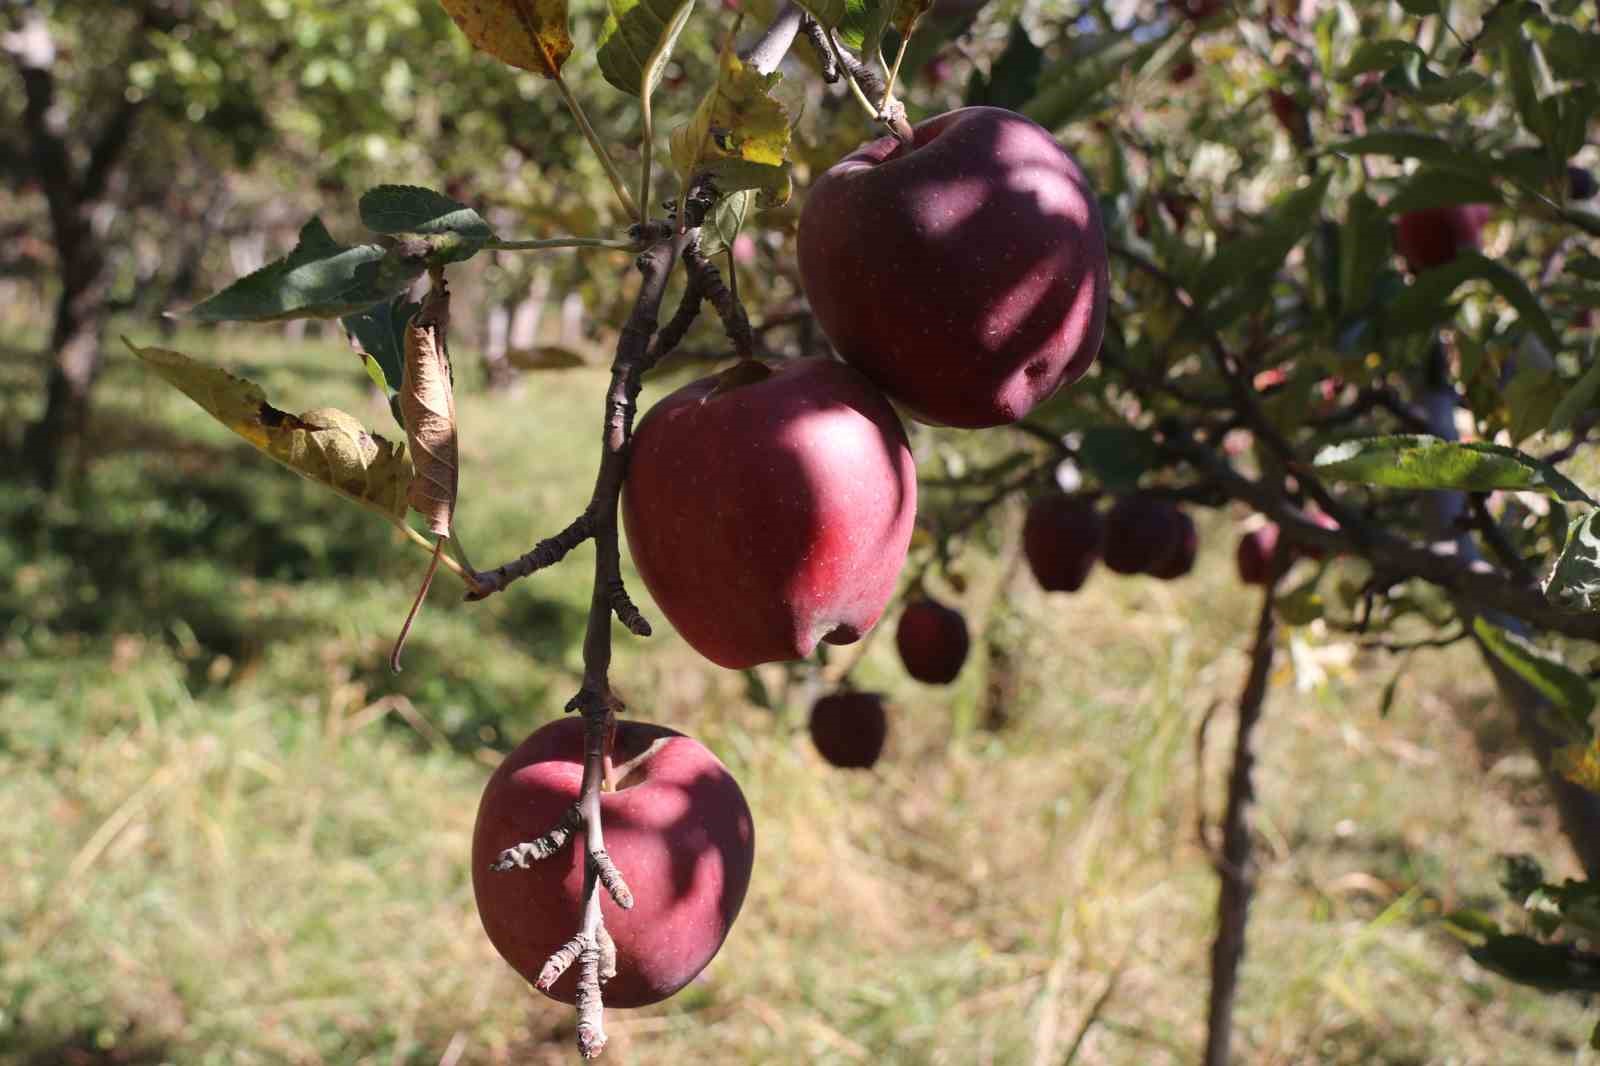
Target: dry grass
[[217, 850]]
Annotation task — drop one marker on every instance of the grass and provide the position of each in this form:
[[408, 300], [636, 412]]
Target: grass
[[230, 836]]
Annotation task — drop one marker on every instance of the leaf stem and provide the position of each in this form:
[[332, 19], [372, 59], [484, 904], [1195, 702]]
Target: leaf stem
[[646, 152], [894, 71], [497, 245], [427, 545], [617, 184], [873, 112]]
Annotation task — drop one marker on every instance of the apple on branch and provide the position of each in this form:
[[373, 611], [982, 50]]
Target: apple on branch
[[932, 641], [676, 825], [768, 509], [849, 728], [1062, 539], [964, 272]]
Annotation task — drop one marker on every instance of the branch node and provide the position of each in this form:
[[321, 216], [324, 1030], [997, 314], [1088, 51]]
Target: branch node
[[591, 1019], [543, 847], [611, 878], [625, 610], [558, 963], [547, 552]]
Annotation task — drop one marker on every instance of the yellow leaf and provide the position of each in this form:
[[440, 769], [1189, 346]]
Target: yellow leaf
[[531, 34], [323, 445], [739, 135], [1580, 764]]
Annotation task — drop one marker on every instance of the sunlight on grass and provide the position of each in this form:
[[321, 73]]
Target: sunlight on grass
[[231, 836]]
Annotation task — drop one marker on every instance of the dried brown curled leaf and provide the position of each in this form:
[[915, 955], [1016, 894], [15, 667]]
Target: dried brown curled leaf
[[324, 445], [428, 404]]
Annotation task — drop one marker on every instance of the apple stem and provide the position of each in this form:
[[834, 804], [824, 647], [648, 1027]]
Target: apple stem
[[865, 82]]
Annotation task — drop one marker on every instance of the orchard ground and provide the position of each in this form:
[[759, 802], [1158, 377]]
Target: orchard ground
[[228, 835]]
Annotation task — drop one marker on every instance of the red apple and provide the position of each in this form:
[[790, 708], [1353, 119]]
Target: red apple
[[1198, 9], [1581, 184], [932, 641], [677, 827], [1143, 534], [849, 728], [1290, 115], [770, 508], [1181, 72], [964, 272], [1258, 555], [1061, 539], [1436, 235], [1181, 561]]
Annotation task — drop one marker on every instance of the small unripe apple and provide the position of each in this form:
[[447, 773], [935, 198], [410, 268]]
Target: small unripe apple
[[1181, 561], [1434, 236], [677, 827], [1142, 534], [932, 640], [963, 272], [1061, 539], [849, 728], [769, 509], [1258, 555]]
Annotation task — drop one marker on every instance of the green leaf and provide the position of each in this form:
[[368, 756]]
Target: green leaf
[[1073, 87], [400, 209], [860, 22], [1411, 145], [1422, 462], [323, 445], [738, 135], [1555, 967], [1425, 302], [1014, 77], [1420, 7], [1531, 398], [1117, 456], [637, 39], [1578, 399], [727, 218], [1379, 55], [379, 332], [1575, 580], [1244, 261], [320, 278], [1431, 187], [907, 13], [1569, 693], [1364, 248]]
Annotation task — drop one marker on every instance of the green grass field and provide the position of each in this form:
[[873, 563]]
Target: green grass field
[[229, 835]]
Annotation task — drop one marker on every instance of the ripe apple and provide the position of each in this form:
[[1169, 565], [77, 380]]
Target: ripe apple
[[1287, 110], [1258, 555], [964, 272], [932, 641], [1436, 235], [1181, 561], [770, 508], [677, 826], [1143, 534], [1196, 10], [849, 728], [1181, 72], [1581, 184], [1061, 539]]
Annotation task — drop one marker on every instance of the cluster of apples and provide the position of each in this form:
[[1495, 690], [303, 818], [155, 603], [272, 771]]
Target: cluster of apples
[[961, 277]]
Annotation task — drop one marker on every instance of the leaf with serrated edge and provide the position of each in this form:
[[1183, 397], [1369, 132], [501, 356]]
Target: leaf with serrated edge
[[413, 209], [530, 34], [323, 445], [1575, 580], [739, 134], [725, 221], [320, 278], [1406, 461], [637, 39], [379, 333]]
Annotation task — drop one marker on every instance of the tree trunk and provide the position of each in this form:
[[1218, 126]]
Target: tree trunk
[[75, 364]]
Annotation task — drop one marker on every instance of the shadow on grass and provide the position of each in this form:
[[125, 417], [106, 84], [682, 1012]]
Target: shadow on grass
[[85, 1048]]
